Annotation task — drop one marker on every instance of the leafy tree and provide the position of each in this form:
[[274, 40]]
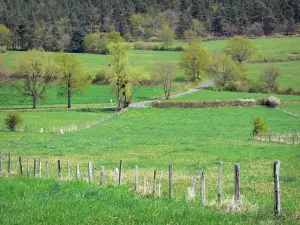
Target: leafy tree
[[166, 35], [224, 70], [5, 36], [163, 74], [124, 79], [190, 34], [36, 72], [72, 78], [114, 37], [269, 78], [240, 49], [12, 119], [96, 43], [198, 27], [194, 61], [259, 125]]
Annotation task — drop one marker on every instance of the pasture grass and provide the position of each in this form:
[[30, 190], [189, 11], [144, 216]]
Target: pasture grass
[[190, 139], [295, 108]]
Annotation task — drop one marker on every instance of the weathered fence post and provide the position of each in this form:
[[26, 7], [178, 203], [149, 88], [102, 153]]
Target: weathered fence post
[[47, 168], [154, 182], [293, 140], [136, 178], [90, 167], [9, 163], [69, 171], [194, 186], [170, 181], [159, 192], [120, 172], [102, 180], [40, 168], [77, 172], [276, 188], [202, 188], [20, 165], [28, 172], [237, 184], [59, 170], [34, 167], [220, 183], [0, 162]]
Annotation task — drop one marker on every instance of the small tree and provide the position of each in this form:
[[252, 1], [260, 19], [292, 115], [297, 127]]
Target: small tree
[[36, 72], [163, 74], [240, 49], [269, 78], [96, 43], [190, 34], [114, 36], [72, 78], [5, 36], [166, 35], [259, 125], [12, 120], [194, 61], [224, 70], [124, 79]]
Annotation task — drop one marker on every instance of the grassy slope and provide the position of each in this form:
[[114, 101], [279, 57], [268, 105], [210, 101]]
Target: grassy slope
[[208, 95], [291, 108], [189, 138]]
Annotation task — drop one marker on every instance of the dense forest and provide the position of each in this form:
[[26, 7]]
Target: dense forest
[[62, 24]]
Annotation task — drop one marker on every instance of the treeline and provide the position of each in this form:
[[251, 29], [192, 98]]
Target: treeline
[[56, 25]]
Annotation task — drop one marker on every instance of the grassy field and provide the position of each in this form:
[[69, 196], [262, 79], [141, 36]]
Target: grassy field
[[191, 139], [208, 95], [95, 95], [291, 108]]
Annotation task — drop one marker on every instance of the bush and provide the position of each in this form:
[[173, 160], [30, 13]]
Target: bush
[[259, 125], [12, 119], [3, 49], [273, 101], [100, 77]]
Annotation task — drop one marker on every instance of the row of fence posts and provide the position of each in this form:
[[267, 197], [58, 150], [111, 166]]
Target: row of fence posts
[[287, 139], [191, 191]]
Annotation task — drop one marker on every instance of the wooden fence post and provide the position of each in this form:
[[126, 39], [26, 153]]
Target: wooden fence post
[[59, 170], [9, 163], [20, 165], [77, 172], [170, 181], [154, 182], [28, 172], [276, 188], [47, 168], [0, 162], [69, 171], [220, 183], [203, 189], [194, 186], [237, 184], [90, 168], [102, 180], [120, 172], [40, 168], [136, 178], [34, 167]]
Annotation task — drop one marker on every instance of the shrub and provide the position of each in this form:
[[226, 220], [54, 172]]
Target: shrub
[[273, 101], [259, 125], [12, 119], [100, 77], [3, 49]]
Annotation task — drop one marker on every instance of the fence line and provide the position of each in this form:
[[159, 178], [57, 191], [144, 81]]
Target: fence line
[[289, 113], [287, 138], [191, 195]]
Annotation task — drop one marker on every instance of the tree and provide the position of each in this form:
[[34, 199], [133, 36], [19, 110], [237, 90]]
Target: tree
[[224, 70], [240, 49], [5, 36], [163, 74], [114, 37], [194, 61], [190, 34], [124, 79], [96, 43], [72, 78], [166, 35], [35, 72], [269, 78]]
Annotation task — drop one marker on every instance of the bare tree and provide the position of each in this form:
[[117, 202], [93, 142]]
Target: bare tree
[[269, 78], [163, 74]]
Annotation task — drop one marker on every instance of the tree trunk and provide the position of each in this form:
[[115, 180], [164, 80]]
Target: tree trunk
[[69, 96], [34, 101]]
